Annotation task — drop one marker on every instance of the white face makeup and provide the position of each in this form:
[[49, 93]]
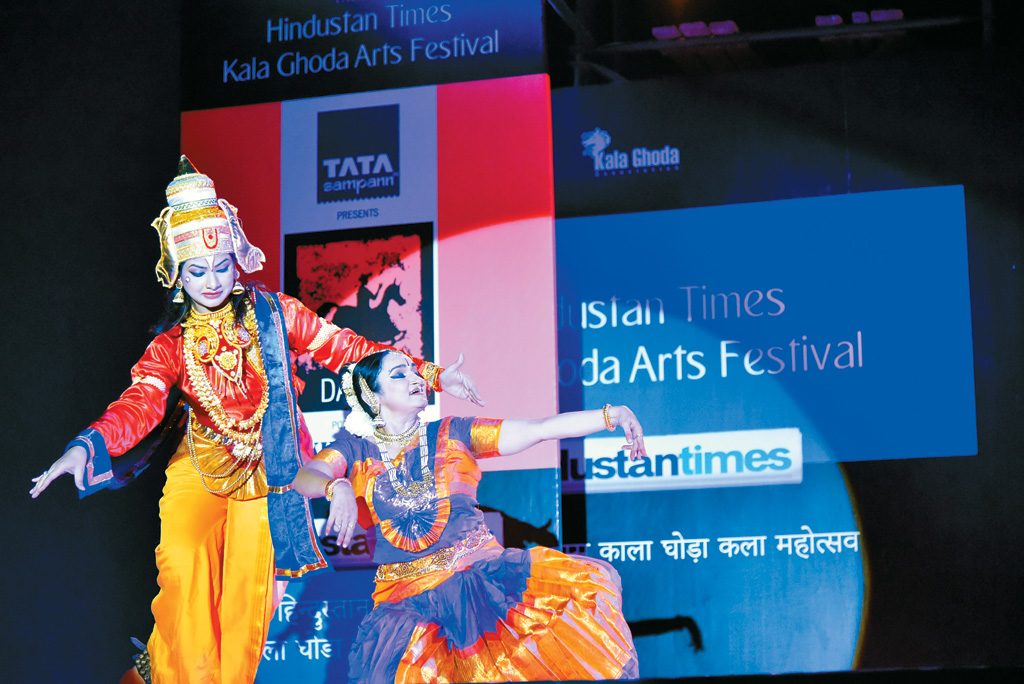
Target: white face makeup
[[208, 280], [402, 390]]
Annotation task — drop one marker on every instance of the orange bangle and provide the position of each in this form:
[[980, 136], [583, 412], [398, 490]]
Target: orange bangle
[[607, 419], [431, 373]]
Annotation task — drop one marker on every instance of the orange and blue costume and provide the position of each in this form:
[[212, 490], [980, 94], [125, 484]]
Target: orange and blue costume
[[217, 556], [229, 520], [450, 603]]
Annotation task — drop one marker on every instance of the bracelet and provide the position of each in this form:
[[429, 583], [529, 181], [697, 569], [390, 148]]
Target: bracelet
[[329, 487], [607, 419], [430, 374]]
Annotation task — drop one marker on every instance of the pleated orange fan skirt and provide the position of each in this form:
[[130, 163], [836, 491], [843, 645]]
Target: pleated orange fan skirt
[[516, 616]]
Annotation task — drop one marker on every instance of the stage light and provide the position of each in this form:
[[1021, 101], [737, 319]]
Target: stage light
[[828, 20], [694, 29], [724, 28], [860, 18], [887, 15], [670, 32]]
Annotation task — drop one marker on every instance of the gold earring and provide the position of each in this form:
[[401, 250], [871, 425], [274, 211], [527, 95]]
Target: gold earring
[[238, 289], [179, 296]]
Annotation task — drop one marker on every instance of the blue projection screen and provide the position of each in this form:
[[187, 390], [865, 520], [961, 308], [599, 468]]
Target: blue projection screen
[[836, 327]]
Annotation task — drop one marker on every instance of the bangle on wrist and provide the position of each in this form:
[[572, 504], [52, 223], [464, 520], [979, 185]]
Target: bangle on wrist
[[431, 374], [607, 418], [329, 487]]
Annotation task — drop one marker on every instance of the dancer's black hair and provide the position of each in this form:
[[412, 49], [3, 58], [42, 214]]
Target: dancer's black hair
[[368, 369]]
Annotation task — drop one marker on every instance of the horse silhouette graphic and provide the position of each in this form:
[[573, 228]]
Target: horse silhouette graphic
[[372, 321], [595, 142]]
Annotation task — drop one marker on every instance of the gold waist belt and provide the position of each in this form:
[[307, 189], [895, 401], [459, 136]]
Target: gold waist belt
[[222, 473], [445, 559]]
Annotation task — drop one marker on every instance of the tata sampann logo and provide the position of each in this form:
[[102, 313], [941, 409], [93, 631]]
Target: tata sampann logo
[[611, 162], [357, 154], [711, 459]]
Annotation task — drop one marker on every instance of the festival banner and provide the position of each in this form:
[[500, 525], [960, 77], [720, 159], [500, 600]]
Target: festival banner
[[719, 273], [816, 315], [272, 50]]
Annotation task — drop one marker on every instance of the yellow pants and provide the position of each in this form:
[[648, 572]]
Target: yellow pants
[[215, 565]]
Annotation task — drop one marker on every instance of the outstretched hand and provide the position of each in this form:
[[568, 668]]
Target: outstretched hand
[[457, 383], [622, 416], [72, 462], [341, 520]]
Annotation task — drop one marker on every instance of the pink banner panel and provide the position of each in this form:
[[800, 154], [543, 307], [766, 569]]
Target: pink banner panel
[[496, 248], [240, 148]]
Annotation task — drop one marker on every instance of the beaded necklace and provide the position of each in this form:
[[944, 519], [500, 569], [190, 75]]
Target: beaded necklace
[[382, 435], [410, 493]]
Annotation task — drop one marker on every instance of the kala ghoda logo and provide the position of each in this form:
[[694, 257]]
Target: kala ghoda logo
[[611, 162], [357, 154]]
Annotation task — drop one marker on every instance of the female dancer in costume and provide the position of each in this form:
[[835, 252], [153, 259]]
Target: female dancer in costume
[[450, 603], [228, 516]]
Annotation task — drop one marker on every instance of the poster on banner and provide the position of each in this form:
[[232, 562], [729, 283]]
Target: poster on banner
[[815, 314], [376, 281]]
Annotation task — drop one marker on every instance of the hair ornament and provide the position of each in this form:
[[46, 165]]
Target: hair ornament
[[369, 397], [357, 422]]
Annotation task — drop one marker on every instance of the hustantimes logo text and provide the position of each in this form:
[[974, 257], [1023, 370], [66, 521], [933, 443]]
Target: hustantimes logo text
[[710, 459]]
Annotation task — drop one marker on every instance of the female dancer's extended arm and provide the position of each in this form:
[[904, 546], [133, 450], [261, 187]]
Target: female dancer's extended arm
[[518, 435], [318, 478]]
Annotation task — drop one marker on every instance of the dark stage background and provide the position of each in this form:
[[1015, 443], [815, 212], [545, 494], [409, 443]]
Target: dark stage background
[[89, 140], [90, 101]]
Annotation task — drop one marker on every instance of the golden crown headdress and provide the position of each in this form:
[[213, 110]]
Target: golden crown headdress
[[196, 224]]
